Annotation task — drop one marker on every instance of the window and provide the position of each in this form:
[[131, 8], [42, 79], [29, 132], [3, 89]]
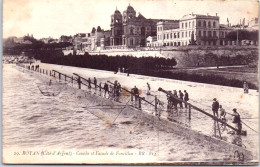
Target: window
[[199, 33], [189, 33], [209, 33], [186, 34], [182, 34], [193, 24], [189, 24], [204, 33], [214, 33], [204, 24], [214, 24], [209, 24], [131, 31], [199, 24], [185, 25], [167, 36], [182, 25], [171, 35], [163, 36]]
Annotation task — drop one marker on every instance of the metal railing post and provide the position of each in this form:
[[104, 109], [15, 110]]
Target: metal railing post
[[139, 99], [155, 106], [189, 112], [79, 83]]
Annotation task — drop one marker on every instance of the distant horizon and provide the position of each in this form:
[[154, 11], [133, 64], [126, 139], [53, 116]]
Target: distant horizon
[[54, 18]]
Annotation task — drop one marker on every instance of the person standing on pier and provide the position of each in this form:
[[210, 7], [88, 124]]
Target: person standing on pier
[[148, 89], [175, 102], [181, 97], [106, 89], [236, 120], [136, 93], [115, 89], [95, 82], [186, 98], [215, 107]]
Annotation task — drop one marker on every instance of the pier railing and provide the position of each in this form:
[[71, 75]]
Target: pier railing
[[154, 103]]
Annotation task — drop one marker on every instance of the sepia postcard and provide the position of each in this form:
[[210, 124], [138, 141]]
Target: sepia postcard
[[130, 82]]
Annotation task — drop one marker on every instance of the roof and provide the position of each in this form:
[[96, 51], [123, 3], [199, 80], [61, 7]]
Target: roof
[[140, 16], [193, 16], [130, 9], [117, 12]]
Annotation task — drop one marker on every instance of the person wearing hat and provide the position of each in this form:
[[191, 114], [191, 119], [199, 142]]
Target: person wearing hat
[[215, 107]]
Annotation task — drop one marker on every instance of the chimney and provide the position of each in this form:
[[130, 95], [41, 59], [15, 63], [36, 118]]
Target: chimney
[[216, 14], [207, 14]]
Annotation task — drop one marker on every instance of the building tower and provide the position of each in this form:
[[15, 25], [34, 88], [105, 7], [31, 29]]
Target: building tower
[[129, 21], [116, 28]]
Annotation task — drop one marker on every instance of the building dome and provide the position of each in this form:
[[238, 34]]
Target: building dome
[[130, 9], [117, 12]]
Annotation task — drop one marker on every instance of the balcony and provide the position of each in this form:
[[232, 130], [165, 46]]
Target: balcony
[[208, 37]]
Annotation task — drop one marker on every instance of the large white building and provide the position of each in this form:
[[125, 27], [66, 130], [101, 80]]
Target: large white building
[[191, 29]]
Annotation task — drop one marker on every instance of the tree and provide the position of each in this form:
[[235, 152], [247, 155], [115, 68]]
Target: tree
[[242, 35]]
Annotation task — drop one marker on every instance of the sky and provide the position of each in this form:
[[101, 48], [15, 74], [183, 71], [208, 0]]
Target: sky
[[53, 18]]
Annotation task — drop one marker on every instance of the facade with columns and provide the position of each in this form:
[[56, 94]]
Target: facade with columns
[[191, 29]]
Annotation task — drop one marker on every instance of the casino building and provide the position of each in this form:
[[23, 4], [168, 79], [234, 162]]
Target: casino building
[[129, 30]]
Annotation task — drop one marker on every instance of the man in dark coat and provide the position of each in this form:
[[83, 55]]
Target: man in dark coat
[[105, 88], [215, 107], [186, 98], [95, 82], [181, 97]]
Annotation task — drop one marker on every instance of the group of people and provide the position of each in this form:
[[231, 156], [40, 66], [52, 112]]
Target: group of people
[[177, 98], [235, 115], [113, 91], [35, 68]]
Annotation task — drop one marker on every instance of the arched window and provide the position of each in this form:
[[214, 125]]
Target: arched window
[[131, 31], [214, 24], [204, 24], [209, 24], [199, 23]]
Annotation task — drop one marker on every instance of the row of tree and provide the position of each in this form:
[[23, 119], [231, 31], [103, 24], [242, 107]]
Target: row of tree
[[110, 63], [242, 35]]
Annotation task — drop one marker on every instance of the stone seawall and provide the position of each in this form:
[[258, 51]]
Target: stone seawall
[[187, 57]]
